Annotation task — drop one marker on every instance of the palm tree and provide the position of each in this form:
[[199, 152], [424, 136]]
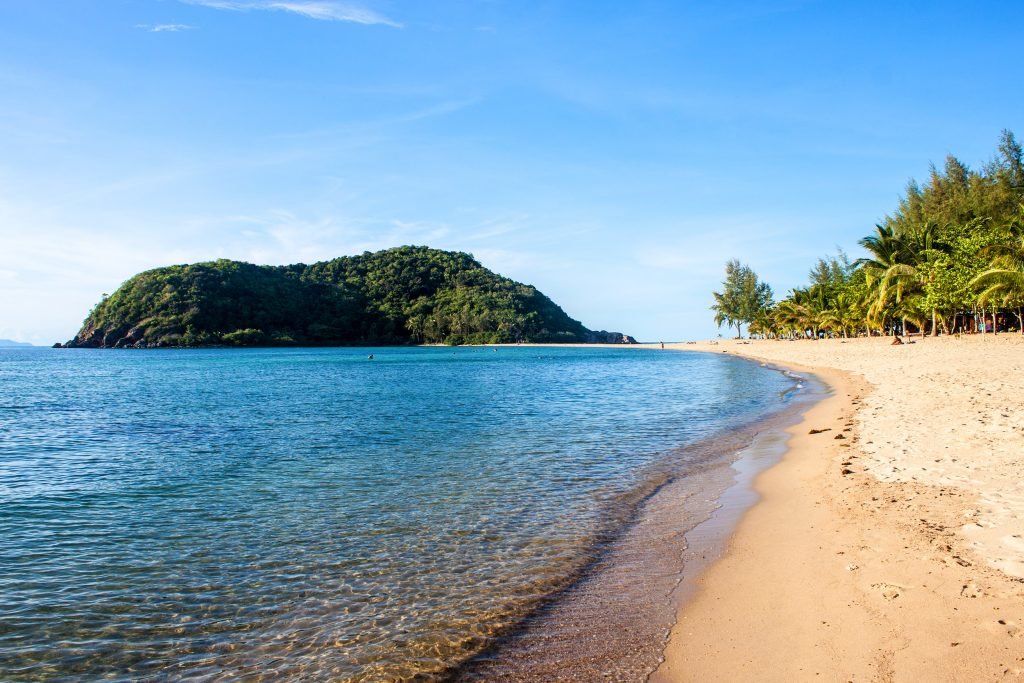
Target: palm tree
[[795, 313], [789, 317], [899, 269], [842, 315], [1002, 285], [884, 248], [764, 323], [911, 273]]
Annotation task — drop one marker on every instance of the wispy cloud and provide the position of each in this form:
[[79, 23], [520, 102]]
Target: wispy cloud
[[322, 10], [164, 28]]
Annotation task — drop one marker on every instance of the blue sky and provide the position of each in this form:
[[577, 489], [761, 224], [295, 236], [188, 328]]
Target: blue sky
[[612, 154]]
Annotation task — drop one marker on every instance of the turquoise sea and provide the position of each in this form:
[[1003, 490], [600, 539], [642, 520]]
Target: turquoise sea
[[285, 514]]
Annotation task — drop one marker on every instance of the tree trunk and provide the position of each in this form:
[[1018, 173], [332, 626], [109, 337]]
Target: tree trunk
[[1020, 320], [935, 329]]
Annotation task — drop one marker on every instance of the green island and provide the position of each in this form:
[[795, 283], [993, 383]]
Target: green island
[[405, 295], [949, 259]]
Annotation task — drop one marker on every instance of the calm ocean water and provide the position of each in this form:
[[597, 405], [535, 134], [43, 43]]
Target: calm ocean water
[[309, 513]]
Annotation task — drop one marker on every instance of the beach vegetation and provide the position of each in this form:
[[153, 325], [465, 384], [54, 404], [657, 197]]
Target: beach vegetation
[[397, 296], [743, 299], [948, 259]]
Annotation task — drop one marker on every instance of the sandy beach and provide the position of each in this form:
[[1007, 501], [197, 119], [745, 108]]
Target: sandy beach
[[888, 545]]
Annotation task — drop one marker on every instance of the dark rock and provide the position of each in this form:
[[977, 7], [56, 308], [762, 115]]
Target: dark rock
[[605, 337], [88, 338]]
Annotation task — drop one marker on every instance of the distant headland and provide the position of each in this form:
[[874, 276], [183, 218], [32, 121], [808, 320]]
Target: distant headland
[[405, 295]]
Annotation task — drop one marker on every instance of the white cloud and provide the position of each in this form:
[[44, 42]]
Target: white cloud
[[322, 10], [164, 28], [171, 28]]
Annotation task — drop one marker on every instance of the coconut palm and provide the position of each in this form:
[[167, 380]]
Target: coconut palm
[[1002, 284], [899, 269], [801, 311], [884, 248], [842, 315], [907, 278], [764, 323], [791, 317], [815, 301]]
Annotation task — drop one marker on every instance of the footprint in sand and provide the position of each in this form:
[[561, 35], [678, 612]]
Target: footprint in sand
[[1012, 629], [971, 590], [890, 591]]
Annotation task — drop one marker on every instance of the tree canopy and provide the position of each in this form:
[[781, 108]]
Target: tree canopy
[[952, 249], [397, 296], [743, 297]]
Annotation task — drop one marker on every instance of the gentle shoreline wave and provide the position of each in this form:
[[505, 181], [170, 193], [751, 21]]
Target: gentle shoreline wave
[[307, 513], [613, 618]]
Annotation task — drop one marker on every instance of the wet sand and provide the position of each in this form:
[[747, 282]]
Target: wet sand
[[613, 622], [887, 546]]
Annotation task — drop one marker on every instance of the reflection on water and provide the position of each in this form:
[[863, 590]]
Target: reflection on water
[[282, 513]]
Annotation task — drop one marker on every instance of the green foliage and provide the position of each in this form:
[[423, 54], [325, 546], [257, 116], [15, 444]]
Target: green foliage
[[953, 245], [246, 337], [1001, 284], [398, 296], [743, 298], [957, 195]]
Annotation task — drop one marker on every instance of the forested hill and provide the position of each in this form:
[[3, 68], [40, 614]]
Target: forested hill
[[397, 296]]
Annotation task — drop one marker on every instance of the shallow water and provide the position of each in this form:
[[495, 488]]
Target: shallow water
[[286, 513]]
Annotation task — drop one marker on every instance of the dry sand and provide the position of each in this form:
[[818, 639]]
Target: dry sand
[[888, 548]]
